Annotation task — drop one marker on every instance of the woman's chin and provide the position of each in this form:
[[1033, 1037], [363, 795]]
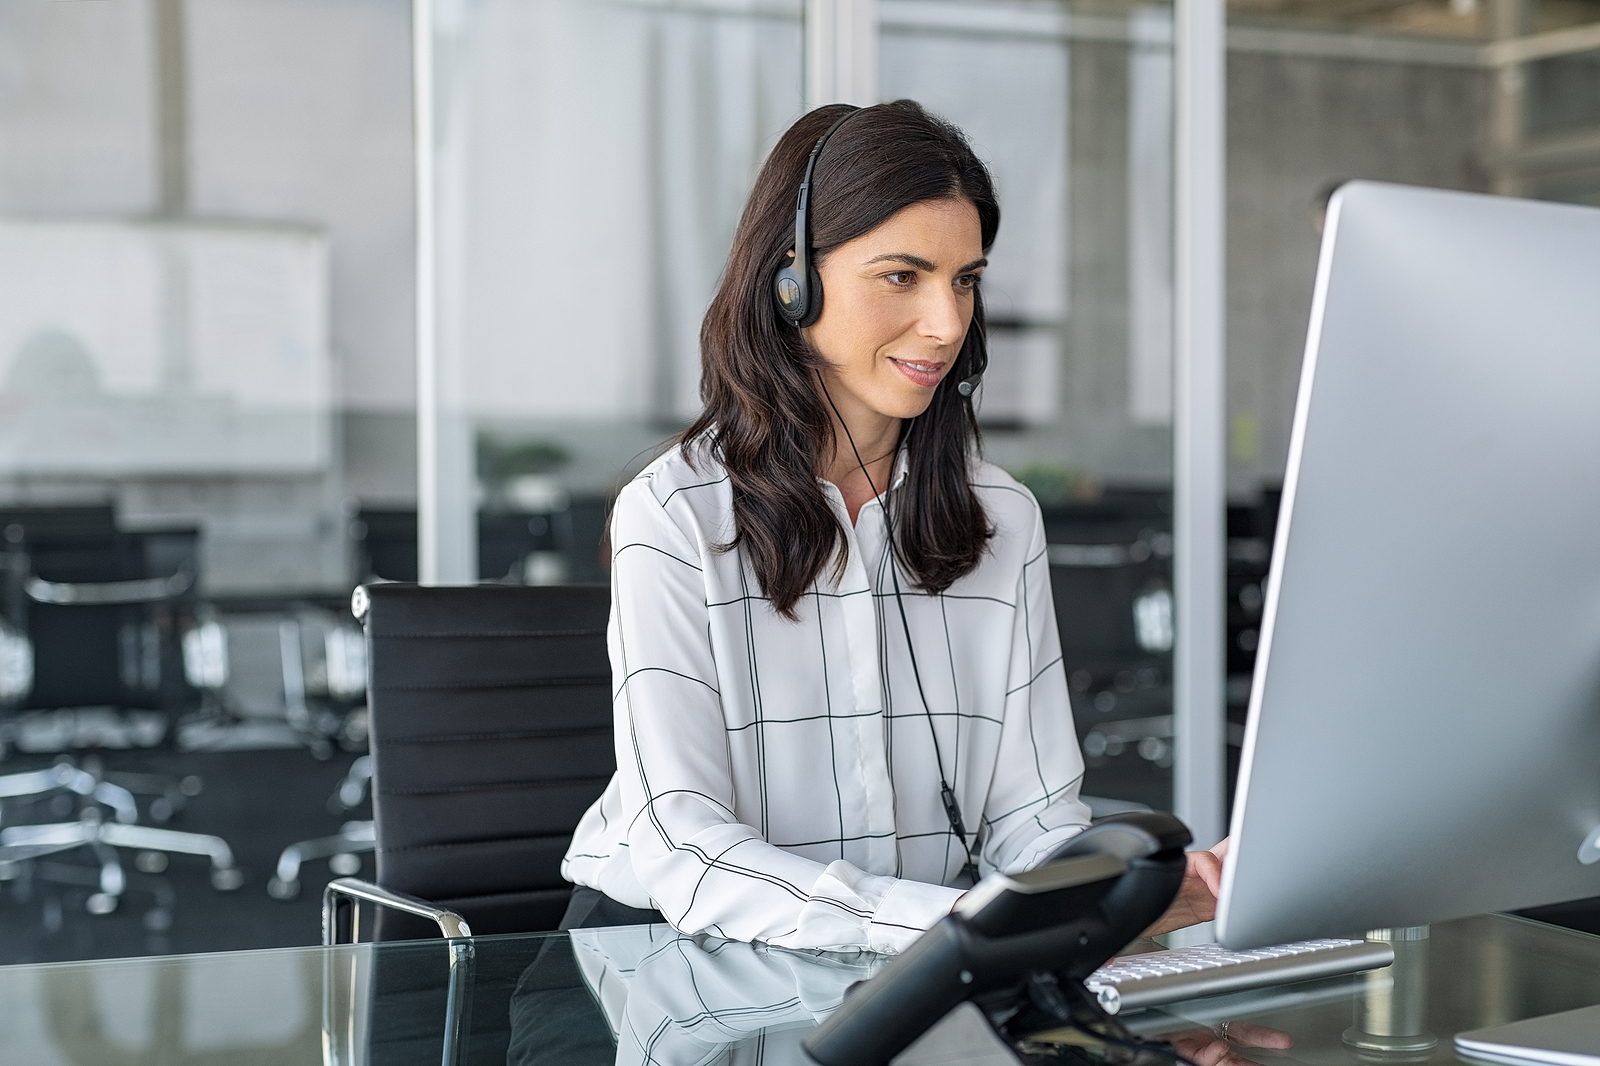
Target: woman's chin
[[907, 408]]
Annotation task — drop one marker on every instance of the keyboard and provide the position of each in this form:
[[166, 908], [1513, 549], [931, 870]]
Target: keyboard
[[1148, 980]]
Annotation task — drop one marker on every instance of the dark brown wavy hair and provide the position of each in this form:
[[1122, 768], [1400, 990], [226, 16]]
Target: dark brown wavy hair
[[765, 418]]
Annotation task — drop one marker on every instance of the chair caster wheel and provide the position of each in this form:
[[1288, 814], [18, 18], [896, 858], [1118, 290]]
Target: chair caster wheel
[[157, 920], [283, 889], [101, 903], [227, 880], [150, 862], [345, 865], [161, 810]]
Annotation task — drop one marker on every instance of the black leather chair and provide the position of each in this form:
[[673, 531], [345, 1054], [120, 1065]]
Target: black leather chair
[[490, 735]]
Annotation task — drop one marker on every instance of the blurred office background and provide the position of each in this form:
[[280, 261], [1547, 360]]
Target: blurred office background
[[208, 350]]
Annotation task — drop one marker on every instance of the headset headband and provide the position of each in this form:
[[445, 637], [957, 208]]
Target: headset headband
[[795, 289]]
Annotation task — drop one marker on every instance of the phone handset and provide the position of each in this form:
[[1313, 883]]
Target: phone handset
[[1064, 919]]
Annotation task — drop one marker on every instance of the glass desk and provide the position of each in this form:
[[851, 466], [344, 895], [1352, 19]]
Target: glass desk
[[643, 994]]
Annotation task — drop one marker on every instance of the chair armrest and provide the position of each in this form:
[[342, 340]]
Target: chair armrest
[[451, 924], [144, 590]]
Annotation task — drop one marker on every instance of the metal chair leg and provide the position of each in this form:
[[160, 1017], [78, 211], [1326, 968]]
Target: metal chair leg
[[64, 775], [113, 882], [458, 1003], [225, 876], [353, 789], [353, 838]]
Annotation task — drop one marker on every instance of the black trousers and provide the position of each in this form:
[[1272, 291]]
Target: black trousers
[[554, 1018], [590, 909]]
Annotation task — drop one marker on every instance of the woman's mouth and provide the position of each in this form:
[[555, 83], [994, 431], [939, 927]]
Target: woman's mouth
[[925, 374]]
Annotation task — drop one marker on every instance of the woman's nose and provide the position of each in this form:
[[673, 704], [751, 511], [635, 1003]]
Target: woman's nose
[[944, 317]]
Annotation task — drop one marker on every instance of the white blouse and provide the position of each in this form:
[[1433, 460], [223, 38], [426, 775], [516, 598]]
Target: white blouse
[[777, 780]]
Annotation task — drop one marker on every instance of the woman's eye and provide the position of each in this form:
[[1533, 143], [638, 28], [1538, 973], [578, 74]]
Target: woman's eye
[[902, 277], [967, 282]]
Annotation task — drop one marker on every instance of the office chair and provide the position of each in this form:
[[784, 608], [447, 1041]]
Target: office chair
[[548, 544], [275, 675], [96, 609], [491, 735]]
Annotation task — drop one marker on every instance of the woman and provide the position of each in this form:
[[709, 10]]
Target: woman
[[825, 730]]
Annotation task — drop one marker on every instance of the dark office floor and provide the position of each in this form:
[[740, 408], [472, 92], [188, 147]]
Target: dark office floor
[[259, 801]]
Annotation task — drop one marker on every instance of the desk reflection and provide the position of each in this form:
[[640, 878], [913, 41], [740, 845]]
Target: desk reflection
[[670, 999]]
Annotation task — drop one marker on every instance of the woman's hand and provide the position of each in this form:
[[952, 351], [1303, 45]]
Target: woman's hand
[[1206, 1047], [1196, 900]]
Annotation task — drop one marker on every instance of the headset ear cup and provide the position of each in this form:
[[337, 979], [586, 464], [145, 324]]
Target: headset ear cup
[[791, 295], [813, 300]]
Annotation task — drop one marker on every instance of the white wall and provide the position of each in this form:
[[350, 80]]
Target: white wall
[[76, 108], [300, 110], [605, 156]]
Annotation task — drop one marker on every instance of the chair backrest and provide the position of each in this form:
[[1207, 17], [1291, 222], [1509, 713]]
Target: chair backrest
[[109, 641], [491, 735]]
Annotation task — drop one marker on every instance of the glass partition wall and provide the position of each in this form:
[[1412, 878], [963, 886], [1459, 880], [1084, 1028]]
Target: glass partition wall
[[1073, 110], [591, 160], [206, 342], [1495, 96], [665, 110]]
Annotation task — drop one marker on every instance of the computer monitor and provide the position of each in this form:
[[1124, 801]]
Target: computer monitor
[[1424, 731]]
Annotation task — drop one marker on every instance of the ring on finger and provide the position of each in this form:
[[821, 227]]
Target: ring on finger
[[1222, 1030]]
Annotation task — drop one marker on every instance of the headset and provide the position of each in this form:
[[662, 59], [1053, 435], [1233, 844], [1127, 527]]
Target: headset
[[797, 288]]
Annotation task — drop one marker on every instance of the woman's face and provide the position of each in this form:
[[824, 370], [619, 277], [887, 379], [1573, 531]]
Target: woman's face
[[897, 302]]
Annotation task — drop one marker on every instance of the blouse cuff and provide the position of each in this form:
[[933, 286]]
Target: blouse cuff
[[909, 909], [850, 909], [1040, 847]]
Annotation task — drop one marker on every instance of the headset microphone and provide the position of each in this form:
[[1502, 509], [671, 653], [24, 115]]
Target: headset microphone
[[979, 341]]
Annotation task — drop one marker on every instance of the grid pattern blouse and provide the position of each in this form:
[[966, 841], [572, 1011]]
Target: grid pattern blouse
[[777, 780]]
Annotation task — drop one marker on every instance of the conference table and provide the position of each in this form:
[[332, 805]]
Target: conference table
[[644, 994]]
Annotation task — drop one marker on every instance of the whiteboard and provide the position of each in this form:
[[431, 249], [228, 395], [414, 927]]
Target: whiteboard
[[156, 347]]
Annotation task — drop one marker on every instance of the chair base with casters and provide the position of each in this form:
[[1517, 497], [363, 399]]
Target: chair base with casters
[[115, 789], [341, 851], [66, 776], [103, 837], [18, 861]]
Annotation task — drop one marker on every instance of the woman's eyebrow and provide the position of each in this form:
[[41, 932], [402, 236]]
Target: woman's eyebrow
[[920, 263], [902, 257]]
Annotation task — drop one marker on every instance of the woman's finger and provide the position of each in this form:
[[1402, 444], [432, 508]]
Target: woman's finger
[[1201, 1047], [1204, 1048], [1249, 1034]]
